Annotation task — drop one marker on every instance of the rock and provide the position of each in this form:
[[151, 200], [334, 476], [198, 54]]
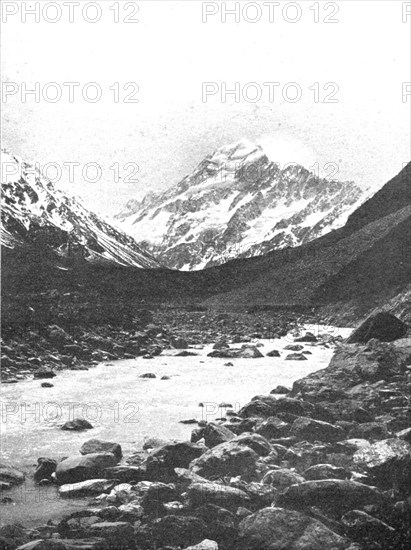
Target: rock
[[361, 527], [179, 343], [148, 374], [47, 385], [78, 424], [282, 478], [256, 408], [44, 372], [94, 543], [277, 529], [206, 544], [405, 435], [220, 495], [161, 462], [13, 535], [315, 430], [247, 351], [188, 421], [125, 474], [274, 353], [81, 468], [186, 353], [214, 434], [119, 535], [334, 496], [369, 430], [308, 337], [292, 347], [383, 326], [296, 357], [97, 446], [43, 544], [166, 377], [273, 428], [255, 441], [388, 462], [325, 471], [228, 364], [45, 468], [226, 459], [89, 487], [178, 531], [9, 476], [280, 390]]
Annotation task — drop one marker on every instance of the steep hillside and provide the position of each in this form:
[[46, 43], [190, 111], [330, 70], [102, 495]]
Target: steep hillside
[[237, 204], [354, 269], [34, 212]]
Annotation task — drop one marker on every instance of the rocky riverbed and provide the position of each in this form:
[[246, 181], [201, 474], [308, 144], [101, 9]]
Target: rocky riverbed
[[324, 464]]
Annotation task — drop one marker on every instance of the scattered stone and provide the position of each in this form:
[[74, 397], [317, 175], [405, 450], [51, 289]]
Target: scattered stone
[[47, 385], [293, 347], [78, 425], [274, 353], [296, 357], [148, 374], [44, 372]]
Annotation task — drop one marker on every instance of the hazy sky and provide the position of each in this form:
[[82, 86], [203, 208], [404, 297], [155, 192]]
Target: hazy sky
[[170, 52]]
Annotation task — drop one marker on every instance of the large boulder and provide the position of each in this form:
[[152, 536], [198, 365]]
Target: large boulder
[[10, 476], [334, 496], [226, 459], [273, 428], [229, 498], [282, 478], [388, 462], [279, 529], [315, 430], [214, 434], [45, 468], [256, 442], [81, 468], [97, 446], [384, 326], [161, 462]]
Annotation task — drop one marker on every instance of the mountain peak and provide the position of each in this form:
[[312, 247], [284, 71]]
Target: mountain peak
[[237, 203]]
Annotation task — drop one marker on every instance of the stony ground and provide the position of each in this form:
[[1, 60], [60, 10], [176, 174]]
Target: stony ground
[[326, 464]]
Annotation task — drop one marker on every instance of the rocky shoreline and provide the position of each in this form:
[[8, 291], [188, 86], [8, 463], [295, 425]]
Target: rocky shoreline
[[326, 464]]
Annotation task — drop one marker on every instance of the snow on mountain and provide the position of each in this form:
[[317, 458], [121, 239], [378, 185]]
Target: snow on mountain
[[237, 203], [33, 209]]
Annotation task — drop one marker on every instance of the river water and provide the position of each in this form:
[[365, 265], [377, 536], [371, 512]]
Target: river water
[[128, 409]]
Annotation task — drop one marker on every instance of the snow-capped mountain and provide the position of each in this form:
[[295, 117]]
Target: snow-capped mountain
[[237, 203], [34, 210]]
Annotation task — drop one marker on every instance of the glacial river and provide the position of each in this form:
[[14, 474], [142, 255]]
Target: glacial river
[[128, 409]]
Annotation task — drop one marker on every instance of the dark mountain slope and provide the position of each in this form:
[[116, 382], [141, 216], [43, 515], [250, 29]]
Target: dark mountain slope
[[392, 197]]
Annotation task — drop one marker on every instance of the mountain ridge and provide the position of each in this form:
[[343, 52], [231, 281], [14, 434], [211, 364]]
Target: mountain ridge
[[34, 209], [237, 203]]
